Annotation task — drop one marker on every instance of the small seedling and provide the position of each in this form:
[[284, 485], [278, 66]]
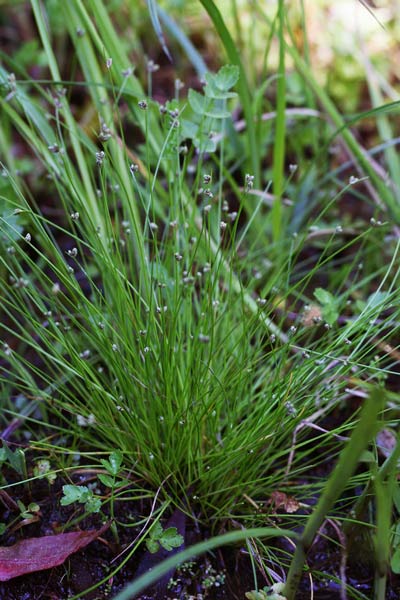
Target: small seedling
[[81, 494], [113, 468], [167, 538], [267, 593]]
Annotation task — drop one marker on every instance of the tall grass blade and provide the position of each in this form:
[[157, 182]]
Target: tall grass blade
[[153, 10], [362, 434]]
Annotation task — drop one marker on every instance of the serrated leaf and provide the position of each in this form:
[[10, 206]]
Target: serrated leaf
[[171, 539], [152, 546], [212, 91], [156, 531], [113, 464], [115, 460], [106, 480], [74, 493], [198, 102], [227, 77], [93, 504]]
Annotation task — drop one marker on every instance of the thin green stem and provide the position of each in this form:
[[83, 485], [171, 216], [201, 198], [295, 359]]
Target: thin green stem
[[280, 131], [364, 430]]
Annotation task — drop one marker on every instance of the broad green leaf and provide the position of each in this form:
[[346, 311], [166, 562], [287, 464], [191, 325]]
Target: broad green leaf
[[198, 102], [395, 561], [156, 531], [218, 113], [114, 462], [74, 493], [171, 539], [16, 460], [152, 546], [227, 77], [205, 144], [189, 129], [211, 90], [323, 296], [106, 480]]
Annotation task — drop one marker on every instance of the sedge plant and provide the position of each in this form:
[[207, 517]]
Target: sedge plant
[[168, 316]]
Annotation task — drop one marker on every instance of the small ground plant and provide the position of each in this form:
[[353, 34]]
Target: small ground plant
[[174, 312]]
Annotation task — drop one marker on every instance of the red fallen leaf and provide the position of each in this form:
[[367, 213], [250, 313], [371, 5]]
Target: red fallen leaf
[[38, 554]]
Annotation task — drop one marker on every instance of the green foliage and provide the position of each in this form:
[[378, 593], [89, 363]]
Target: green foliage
[[161, 313], [113, 468], [267, 593], [330, 305], [209, 109], [167, 538], [80, 494], [16, 460]]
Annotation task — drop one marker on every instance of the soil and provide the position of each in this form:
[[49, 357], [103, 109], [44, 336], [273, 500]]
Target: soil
[[225, 574]]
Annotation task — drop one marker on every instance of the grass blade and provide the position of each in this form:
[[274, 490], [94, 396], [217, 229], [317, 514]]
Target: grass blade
[[363, 432], [153, 10]]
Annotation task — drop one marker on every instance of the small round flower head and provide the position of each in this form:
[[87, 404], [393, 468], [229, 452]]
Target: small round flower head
[[100, 158], [134, 168], [152, 67], [105, 132], [142, 104], [204, 339], [249, 182], [109, 63]]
